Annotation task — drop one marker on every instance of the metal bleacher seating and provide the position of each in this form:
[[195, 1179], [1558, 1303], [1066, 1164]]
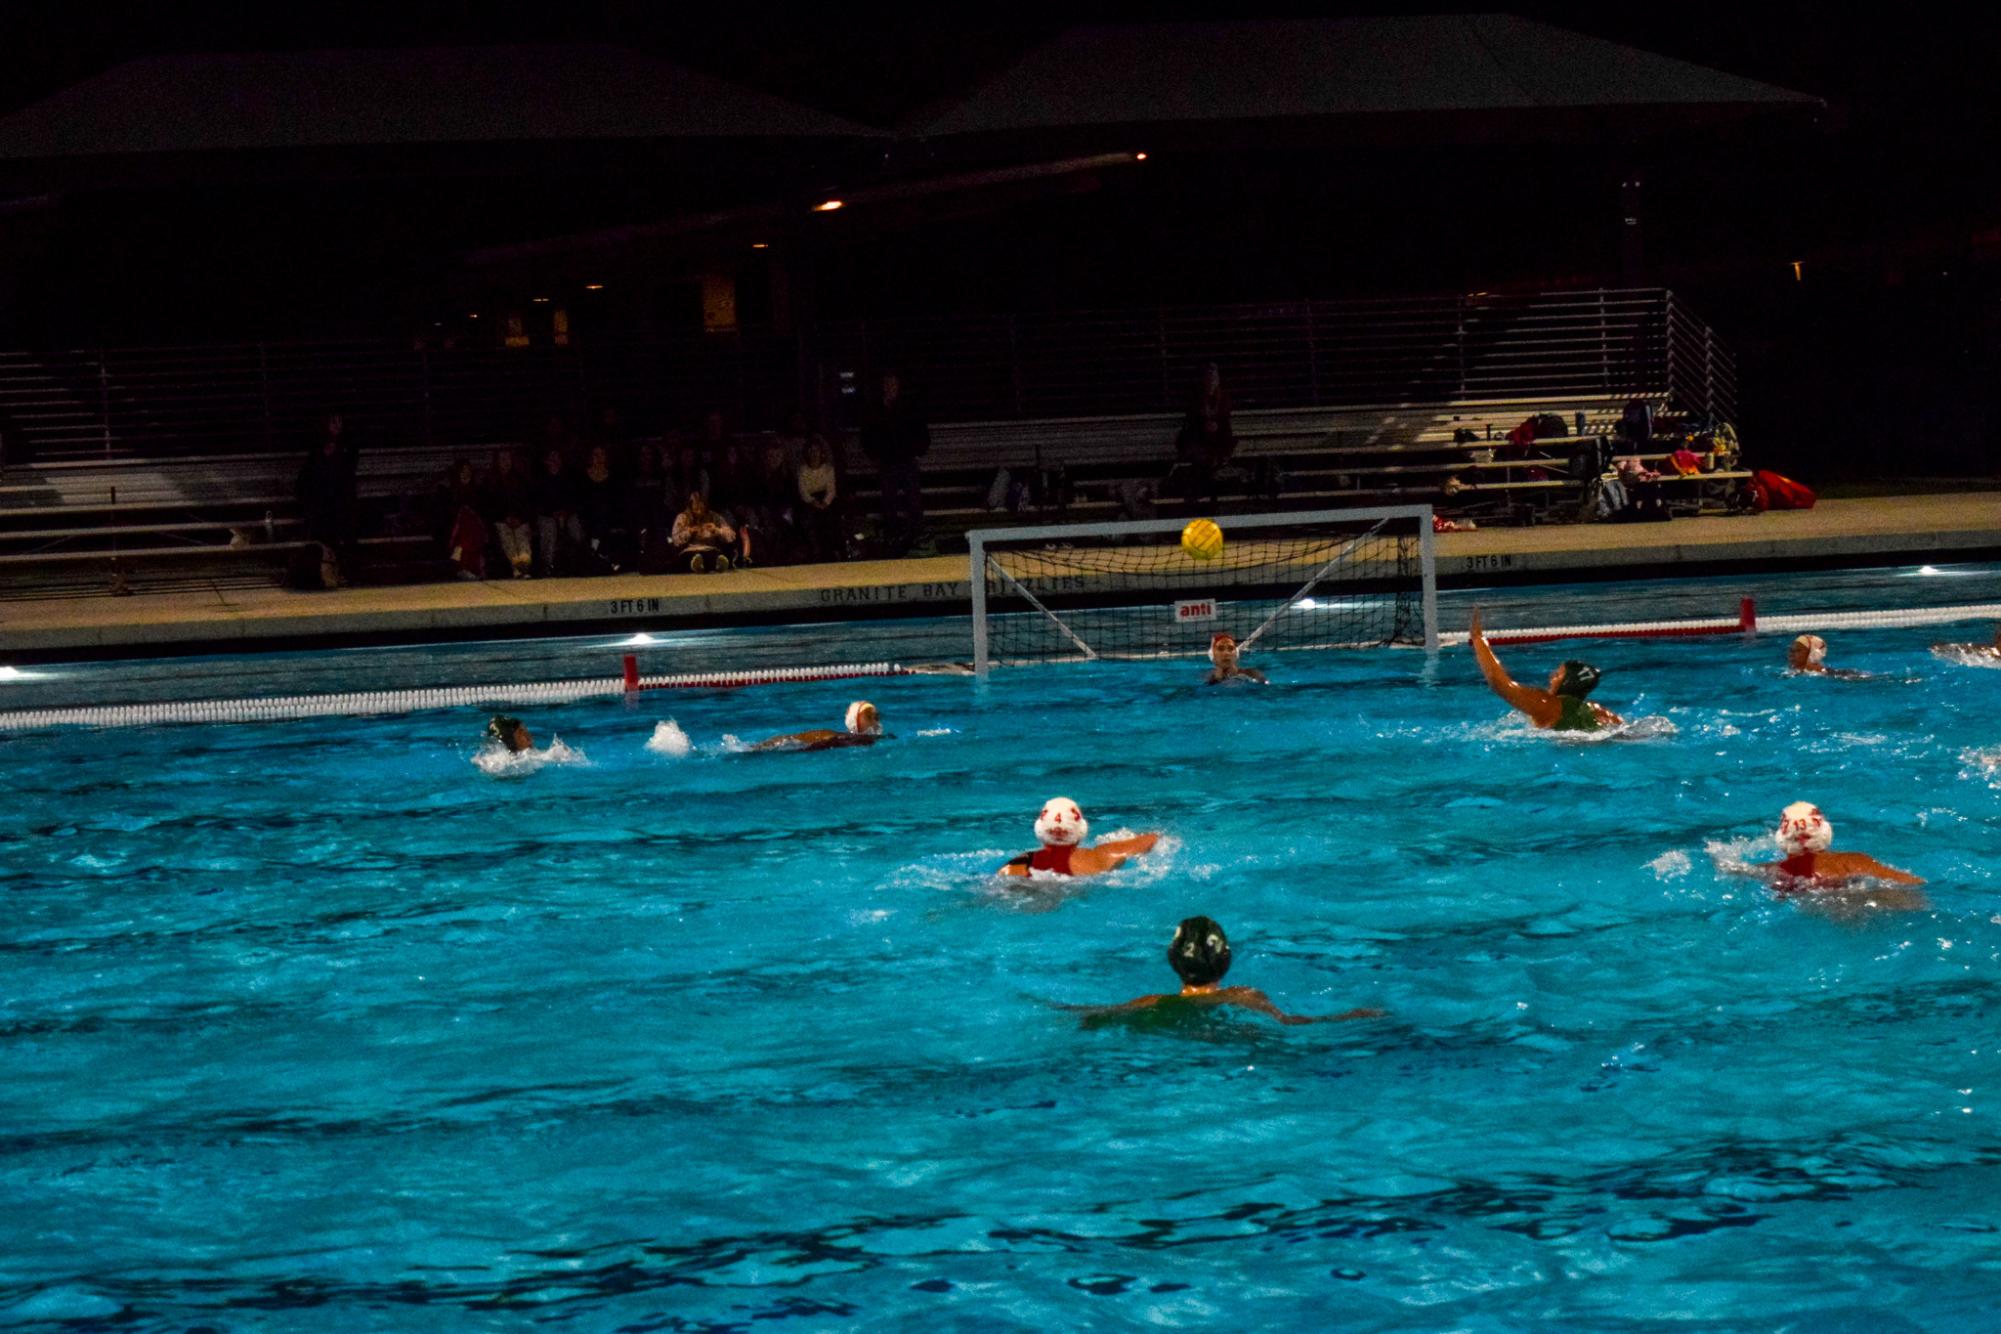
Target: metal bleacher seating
[[181, 462], [1314, 458]]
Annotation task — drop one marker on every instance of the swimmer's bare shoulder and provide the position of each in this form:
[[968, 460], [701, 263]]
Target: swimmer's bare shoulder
[[819, 739], [1248, 998], [1833, 869], [1108, 856]]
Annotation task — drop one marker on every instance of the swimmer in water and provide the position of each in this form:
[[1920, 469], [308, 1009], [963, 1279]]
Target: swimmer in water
[[1223, 654], [1561, 708], [1807, 656], [864, 728], [510, 749], [1200, 956], [509, 733], [1992, 650], [1062, 829], [1804, 836]]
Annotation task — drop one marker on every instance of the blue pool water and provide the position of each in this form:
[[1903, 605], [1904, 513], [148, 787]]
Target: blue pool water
[[317, 1026]]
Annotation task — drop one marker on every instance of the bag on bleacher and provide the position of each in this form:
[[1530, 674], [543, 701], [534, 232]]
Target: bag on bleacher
[[1636, 424], [1589, 457], [1549, 425], [1724, 451]]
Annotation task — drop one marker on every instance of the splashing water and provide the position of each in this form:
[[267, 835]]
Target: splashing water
[[501, 762], [668, 739], [1671, 865], [1968, 655], [1732, 856]]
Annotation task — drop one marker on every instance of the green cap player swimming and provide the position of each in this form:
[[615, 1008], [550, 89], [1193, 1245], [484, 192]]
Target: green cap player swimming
[[1562, 707]]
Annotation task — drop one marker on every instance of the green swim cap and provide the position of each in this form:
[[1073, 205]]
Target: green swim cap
[[1579, 679]]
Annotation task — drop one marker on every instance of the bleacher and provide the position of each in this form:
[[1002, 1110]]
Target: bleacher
[[159, 468], [1313, 459], [229, 520]]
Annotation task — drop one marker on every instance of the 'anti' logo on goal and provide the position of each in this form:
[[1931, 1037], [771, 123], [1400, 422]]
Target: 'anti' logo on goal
[[1203, 609]]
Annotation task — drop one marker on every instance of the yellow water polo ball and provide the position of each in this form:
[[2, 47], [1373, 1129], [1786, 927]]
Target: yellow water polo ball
[[1202, 539]]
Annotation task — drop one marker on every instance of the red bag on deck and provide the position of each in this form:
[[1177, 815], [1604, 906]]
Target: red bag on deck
[[1775, 492]]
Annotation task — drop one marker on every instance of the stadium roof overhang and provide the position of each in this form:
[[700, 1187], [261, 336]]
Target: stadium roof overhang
[[1454, 79], [404, 112], [1063, 113]]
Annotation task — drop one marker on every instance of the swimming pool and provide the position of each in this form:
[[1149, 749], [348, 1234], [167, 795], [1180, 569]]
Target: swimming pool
[[316, 1026]]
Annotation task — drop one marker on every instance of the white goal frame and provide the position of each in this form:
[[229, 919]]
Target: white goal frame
[[977, 540]]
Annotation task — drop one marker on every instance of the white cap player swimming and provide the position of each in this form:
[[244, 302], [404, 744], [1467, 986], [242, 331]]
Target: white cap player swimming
[[1808, 653], [1061, 828], [863, 720], [861, 727], [1805, 836]]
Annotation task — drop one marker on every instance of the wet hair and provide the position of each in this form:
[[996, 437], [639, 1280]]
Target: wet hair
[[503, 726], [1579, 679], [1199, 952]]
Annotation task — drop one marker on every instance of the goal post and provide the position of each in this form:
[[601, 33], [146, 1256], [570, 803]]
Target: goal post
[[1311, 579]]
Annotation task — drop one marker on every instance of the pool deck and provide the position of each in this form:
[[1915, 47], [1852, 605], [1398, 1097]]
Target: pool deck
[[1884, 530]]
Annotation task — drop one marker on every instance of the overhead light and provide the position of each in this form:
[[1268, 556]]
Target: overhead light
[[760, 245], [594, 287], [539, 300], [1797, 276], [827, 205], [472, 315], [1139, 157]]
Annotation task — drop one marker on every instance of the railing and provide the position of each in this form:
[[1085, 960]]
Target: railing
[[1606, 343], [161, 402], [251, 397]]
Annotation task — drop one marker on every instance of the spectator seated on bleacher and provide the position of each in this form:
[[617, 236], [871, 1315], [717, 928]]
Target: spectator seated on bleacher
[[646, 515], [462, 530], [327, 500], [508, 505], [609, 430], [819, 497], [559, 529], [774, 499], [704, 540], [732, 485], [601, 512]]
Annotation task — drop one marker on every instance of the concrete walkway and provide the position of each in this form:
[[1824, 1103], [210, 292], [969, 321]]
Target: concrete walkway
[[1856, 532]]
